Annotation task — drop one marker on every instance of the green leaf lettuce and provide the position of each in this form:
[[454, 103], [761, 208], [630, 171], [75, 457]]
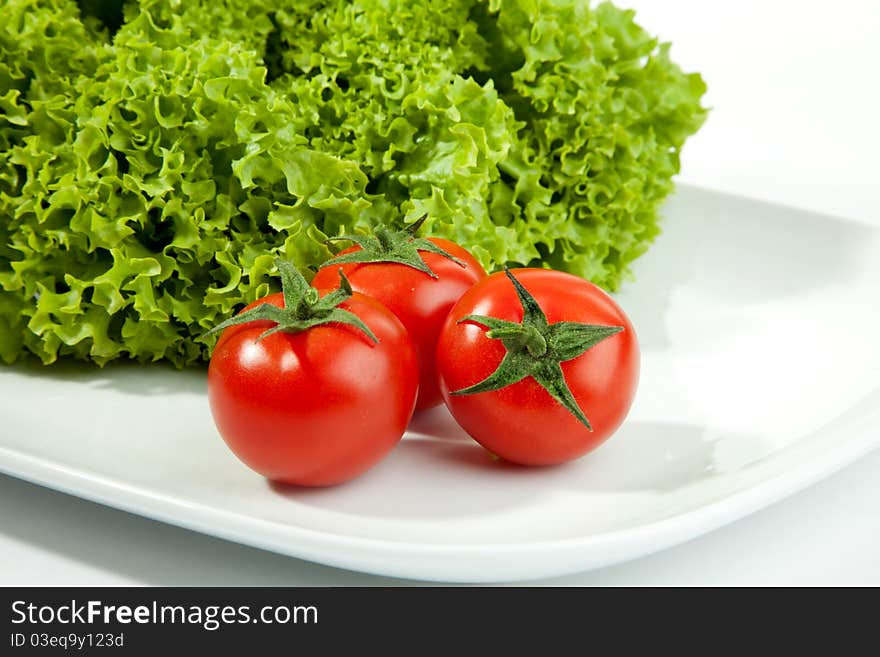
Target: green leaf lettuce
[[156, 156]]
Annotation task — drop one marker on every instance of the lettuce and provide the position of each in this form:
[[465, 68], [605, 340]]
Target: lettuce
[[157, 155]]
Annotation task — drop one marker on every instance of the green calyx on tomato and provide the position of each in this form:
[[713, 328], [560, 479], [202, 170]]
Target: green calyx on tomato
[[304, 307], [387, 245], [537, 348]]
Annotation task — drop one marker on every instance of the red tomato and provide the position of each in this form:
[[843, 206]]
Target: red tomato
[[317, 407], [419, 301], [522, 422]]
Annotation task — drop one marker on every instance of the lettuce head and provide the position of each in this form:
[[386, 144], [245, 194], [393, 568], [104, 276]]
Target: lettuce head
[[156, 156]]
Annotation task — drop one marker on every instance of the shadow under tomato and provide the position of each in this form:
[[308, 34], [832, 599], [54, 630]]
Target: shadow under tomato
[[459, 478], [436, 423]]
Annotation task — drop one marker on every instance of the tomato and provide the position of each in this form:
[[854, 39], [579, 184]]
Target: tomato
[[320, 405], [420, 301], [541, 375]]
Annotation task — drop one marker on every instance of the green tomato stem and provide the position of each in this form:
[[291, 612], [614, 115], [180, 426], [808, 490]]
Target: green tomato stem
[[536, 348]]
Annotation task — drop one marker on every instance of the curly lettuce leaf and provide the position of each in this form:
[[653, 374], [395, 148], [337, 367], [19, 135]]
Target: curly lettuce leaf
[[157, 155]]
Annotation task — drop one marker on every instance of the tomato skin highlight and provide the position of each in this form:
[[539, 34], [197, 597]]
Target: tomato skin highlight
[[419, 301], [314, 408], [522, 423]]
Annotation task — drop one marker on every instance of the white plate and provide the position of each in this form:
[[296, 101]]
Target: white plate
[[760, 375]]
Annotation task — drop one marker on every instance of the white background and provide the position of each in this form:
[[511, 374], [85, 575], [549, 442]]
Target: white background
[[794, 89], [795, 92]]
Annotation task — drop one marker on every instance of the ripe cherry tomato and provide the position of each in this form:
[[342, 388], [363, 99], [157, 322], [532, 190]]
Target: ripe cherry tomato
[[421, 301], [522, 410], [318, 406]]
